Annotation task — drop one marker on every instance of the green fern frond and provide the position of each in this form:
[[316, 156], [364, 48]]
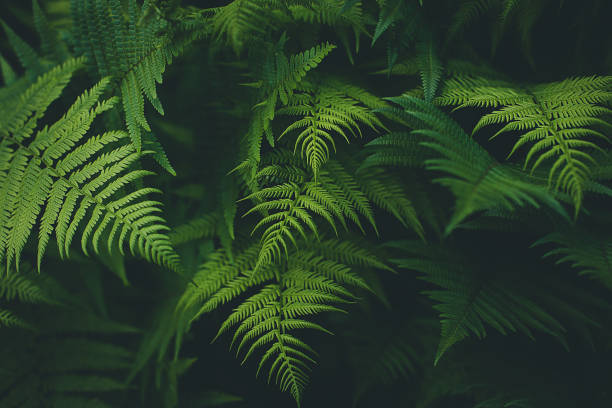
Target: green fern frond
[[55, 176], [325, 112], [282, 299], [388, 193], [293, 206], [27, 56], [134, 51], [8, 319], [68, 366], [289, 206], [430, 68], [477, 180], [336, 176], [281, 76], [390, 12], [590, 253], [22, 287], [334, 13], [471, 298], [560, 121], [238, 20], [201, 227]]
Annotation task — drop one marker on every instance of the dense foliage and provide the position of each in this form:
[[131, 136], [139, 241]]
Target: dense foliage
[[427, 180]]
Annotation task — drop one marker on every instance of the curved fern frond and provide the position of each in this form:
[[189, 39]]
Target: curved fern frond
[[132, 49], [70, 367], [56, 177], [590, 253], [282, 299], [560, 121], [292, 206], [477, 180], [281, 76], [469, 298], [325, 112], [201, 227]]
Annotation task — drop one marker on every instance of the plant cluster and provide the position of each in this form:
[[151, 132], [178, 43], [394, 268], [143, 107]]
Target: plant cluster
[[369, 202]]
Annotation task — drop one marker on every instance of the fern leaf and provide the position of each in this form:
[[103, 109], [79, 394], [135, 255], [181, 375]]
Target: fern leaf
[[588, 252], [132, 50], [475, 178], [59, 175], [430, 68], [282, 298], [470, 298], [325, 112], [560, 122]]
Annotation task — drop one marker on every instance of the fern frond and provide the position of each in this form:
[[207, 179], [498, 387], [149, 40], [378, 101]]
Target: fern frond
[[471, 298], [388, 193], [430, 68], [133, 50], [201, 227], [27, 56], [325, 112], [590, 253], [282, 299], [281, 76], [477, 180], [21, 287], [560, 121], [390, 12], [337, 196], [57, 175], [292, 205], [69, 367]]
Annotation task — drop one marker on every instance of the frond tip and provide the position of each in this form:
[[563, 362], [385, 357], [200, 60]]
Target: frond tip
[[57, 178]]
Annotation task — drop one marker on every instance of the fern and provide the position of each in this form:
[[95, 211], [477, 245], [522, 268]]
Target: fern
[[60, 363], [54, 176], [560, 121], [281, 77], [430, 68], [21, 287], [239, 20], [324, 112], [291, 206], [477, 180], [471, 297], [591, 253], [136, 55], [283, 298]]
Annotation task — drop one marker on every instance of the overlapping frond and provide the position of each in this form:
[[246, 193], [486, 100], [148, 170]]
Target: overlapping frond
[[133, 49], [59, 179], [23, 288], [280, 77], [472, 297], [325, 112], [60, 363], [476, 179], [283, 298], [590, 253], [291, 201], [561, 122]]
